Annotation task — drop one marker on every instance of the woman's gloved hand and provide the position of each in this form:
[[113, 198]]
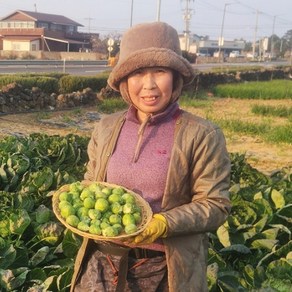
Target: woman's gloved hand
[[156, 228]]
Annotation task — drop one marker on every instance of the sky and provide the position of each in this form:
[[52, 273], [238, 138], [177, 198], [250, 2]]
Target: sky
[[234, 19]]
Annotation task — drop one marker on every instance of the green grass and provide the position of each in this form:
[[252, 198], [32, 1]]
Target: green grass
[[185, 100], [112, 105], [43, 115], [235, 69], [243, 127], [275, 111], [274, 134], [276, 89], [280, 134], [265, 130]]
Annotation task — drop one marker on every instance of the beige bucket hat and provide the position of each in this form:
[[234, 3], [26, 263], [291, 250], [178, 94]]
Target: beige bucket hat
[[149, 45]]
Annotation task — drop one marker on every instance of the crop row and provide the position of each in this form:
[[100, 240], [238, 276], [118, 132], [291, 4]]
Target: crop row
[[250, 252]]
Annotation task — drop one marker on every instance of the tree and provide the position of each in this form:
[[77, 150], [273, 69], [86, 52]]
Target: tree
[[248, 46], [286, 45], [98, 45]]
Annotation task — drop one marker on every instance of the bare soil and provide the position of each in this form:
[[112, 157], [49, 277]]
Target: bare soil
[[262, 155]]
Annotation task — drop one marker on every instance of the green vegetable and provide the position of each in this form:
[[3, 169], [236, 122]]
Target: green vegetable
[[42, 214], [101, 205], [239, 259], [19, 221], [110, 231], [131, 228], [49, 232]]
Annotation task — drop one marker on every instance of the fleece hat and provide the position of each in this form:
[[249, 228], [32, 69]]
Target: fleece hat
[[148, 45]]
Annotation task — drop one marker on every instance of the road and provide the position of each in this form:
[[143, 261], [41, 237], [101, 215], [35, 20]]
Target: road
[[41, 66], [85, 68]]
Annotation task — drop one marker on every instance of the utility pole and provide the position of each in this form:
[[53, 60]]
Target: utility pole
[[89, 23], [255, 35], [272, 38], [158, 10], [132, 5], [187, 15], [221, 40]]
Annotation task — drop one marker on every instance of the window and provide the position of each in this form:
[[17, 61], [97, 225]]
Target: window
[[16, 46], [17, 24], [43, 24]]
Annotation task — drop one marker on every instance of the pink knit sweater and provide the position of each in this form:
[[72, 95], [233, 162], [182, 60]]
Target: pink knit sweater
[[146, 176]]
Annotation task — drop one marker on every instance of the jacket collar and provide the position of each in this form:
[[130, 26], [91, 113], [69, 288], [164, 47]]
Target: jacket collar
[[172, 111]]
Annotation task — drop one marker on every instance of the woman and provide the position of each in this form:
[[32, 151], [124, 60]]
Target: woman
[[176, 161]]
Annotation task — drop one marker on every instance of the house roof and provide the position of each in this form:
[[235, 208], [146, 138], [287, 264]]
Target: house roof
[[52, 18], [21, 38], [64, 40]]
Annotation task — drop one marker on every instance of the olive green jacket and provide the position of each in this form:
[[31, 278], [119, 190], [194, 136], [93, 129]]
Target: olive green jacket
[[196, 197]]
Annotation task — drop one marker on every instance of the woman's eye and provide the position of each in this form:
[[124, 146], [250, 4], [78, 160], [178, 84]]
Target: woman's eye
[[136, 73], [160, 70]]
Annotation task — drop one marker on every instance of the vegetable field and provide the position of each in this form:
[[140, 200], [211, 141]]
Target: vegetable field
[[252, 251]]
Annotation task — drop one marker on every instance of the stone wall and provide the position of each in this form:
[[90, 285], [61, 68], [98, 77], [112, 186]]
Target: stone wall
[[14, 99]]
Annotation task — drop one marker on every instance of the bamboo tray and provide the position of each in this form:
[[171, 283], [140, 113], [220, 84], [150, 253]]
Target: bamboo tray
[[146, 213]]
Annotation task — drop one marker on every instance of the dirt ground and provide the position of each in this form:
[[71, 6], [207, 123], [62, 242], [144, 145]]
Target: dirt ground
[[262, 155]]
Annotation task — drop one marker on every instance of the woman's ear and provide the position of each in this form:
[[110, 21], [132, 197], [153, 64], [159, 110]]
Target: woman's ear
[[124, 91]]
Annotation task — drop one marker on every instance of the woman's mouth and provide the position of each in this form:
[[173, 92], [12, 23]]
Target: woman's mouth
[[149, 98]]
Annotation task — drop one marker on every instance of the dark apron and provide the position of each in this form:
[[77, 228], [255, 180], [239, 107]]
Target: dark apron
[[113, 268]]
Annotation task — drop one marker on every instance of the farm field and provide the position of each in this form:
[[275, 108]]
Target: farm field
[[265, 156], [251, 251]]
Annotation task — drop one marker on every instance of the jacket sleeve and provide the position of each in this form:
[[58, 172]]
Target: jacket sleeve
[[102, 142], [209, 182], [91, 151]]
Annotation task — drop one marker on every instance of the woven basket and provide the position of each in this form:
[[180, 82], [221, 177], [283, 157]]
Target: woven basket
[[146, 214]]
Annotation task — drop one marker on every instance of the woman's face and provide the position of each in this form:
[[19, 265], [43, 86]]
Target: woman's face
[[150, 89]]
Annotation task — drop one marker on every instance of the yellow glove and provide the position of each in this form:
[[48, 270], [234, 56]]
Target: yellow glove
[[156, 228]]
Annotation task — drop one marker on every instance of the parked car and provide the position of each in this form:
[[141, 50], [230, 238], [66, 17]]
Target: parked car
[[251, 55], [203, 55], [234, 54], [216, 54]]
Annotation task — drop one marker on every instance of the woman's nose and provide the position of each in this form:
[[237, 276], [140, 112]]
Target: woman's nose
[[149, 81]]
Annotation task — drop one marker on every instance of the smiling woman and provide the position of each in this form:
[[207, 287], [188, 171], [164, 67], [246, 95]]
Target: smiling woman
[[142, 149], [150, 90]]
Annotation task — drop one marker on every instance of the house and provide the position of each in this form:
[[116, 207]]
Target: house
[[34, 31]]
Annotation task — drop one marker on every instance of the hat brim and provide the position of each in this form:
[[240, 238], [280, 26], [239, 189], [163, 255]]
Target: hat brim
[[151, 57]]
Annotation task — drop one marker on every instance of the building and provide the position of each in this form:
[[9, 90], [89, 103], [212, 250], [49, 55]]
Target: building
[[207, 47], [33, 31]]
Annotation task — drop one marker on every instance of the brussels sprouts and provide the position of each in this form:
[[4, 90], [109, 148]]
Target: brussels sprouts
[[116, 208], [94, 214], [73, 220], [128, 219], [115, 219], [110, 231], [102, 205], [100, 209], [94, 229], [89, 203], [86, 193], [115, 198], [130, 228], [67, 211], [83, 226], [129, 208]]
